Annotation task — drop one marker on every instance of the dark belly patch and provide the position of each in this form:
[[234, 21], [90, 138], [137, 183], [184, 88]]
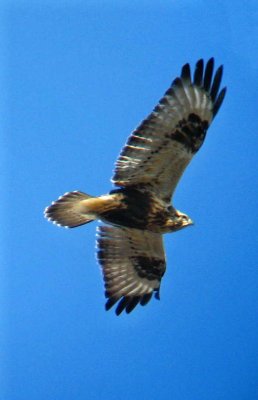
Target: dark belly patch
[[137, 210]]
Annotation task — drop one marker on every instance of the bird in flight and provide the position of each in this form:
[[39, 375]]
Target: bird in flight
[[139, 211]]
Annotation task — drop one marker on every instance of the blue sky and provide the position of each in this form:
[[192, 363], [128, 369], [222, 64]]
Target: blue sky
[[77, 77]]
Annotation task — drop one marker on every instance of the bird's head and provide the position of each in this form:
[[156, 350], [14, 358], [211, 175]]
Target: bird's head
[[182, 220], [178, 220]]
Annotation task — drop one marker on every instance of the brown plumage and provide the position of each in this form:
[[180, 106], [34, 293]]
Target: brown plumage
[[130, 249]]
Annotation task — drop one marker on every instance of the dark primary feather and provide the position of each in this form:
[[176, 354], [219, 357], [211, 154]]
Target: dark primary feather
[[198, 73], [216, 83], [208, 75], [158, 151], [186, 73], [219, 101]]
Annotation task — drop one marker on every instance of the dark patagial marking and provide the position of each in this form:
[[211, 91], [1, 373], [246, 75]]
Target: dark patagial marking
[[149, 268], [191, 132]]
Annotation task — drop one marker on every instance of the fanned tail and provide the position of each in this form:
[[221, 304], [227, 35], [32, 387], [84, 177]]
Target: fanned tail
[[71, 210]]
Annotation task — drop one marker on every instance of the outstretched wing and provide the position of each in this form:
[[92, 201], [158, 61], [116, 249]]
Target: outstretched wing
[[158, 151], [133, 263]]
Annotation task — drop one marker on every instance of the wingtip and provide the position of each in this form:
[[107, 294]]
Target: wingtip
[[186, 72], [128, 303], [219, 101]]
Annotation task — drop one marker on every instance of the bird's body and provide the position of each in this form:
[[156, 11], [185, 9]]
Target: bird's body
[[139, 211]]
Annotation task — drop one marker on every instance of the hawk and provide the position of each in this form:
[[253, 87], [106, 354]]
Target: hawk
[[139, 211]]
